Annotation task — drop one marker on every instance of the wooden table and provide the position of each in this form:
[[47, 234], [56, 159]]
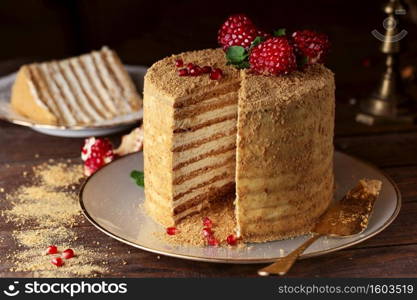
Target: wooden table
[[392, 253]]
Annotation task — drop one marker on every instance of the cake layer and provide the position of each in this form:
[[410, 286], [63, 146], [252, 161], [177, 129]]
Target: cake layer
[[81, 90], [284, 177], [192, 123]]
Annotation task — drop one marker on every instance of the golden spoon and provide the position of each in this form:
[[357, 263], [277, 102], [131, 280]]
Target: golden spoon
[[345, 218]]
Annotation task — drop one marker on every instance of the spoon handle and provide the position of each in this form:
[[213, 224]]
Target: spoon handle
[[284, 264]]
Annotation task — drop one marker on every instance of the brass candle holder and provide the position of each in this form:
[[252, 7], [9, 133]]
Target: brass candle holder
[[389, 102]]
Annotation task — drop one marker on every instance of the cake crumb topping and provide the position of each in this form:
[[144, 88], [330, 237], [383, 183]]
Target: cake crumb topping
[[190, 229]]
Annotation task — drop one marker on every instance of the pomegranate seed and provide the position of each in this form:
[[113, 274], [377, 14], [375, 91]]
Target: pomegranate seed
[[183, 72], [67, 254], [207, 232], [179, 63], [212, 241], [216, 74], [190, 66], [206, 69], [232, 240], [195, 71], [172, 230], [52, 249], [207, 222], [57, 261]]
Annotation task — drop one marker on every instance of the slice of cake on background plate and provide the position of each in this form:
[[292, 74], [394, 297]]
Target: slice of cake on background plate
[[82, 90]]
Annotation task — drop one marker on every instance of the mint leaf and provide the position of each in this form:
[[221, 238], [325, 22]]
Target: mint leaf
[[257, 41], [138, 177], [280, 32], [236, 54]]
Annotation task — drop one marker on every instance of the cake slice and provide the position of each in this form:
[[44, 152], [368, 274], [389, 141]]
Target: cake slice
[[284, 165], [77, 91], [189, 136]]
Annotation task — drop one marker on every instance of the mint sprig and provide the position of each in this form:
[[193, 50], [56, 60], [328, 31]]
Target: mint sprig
[[138, 177], [239, 56], [236, 55]]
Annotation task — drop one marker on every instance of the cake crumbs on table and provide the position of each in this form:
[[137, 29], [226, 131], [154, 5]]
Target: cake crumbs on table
[[44, 212], [190, 229], [52, 175]]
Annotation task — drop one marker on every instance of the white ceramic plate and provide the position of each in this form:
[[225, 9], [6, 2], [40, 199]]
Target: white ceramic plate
[[102, 128], [111, 202]]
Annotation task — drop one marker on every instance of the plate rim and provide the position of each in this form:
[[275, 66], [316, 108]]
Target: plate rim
[[33, 124], [242, 261]]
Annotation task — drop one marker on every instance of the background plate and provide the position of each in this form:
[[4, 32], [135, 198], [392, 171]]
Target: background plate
[[102, 128], [111, 201]]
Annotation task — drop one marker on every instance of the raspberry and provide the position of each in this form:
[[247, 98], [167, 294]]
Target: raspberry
[[95, 154], [275, 56], [238, 30], [311, 45]]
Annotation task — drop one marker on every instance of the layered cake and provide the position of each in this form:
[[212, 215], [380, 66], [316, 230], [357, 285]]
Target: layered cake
[[251, 123], [77, 91]]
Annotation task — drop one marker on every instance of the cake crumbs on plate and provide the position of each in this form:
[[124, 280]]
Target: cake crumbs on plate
[[190, 229], [44, 212]]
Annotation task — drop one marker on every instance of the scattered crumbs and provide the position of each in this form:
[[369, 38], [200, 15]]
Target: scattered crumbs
[[53, 175], [44, 206], [190, 229], [25, 173], [44, 237], [48, 209], [81, 265], [36, 155], [158, 257], [1, 190], [124, 262]]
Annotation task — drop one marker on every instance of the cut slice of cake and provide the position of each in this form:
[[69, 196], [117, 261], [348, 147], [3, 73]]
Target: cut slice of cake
[[282, 166], [77, 91], [189, 136], [284, 177]]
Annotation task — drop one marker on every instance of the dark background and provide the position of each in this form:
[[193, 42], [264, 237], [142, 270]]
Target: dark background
[[145, 31]]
